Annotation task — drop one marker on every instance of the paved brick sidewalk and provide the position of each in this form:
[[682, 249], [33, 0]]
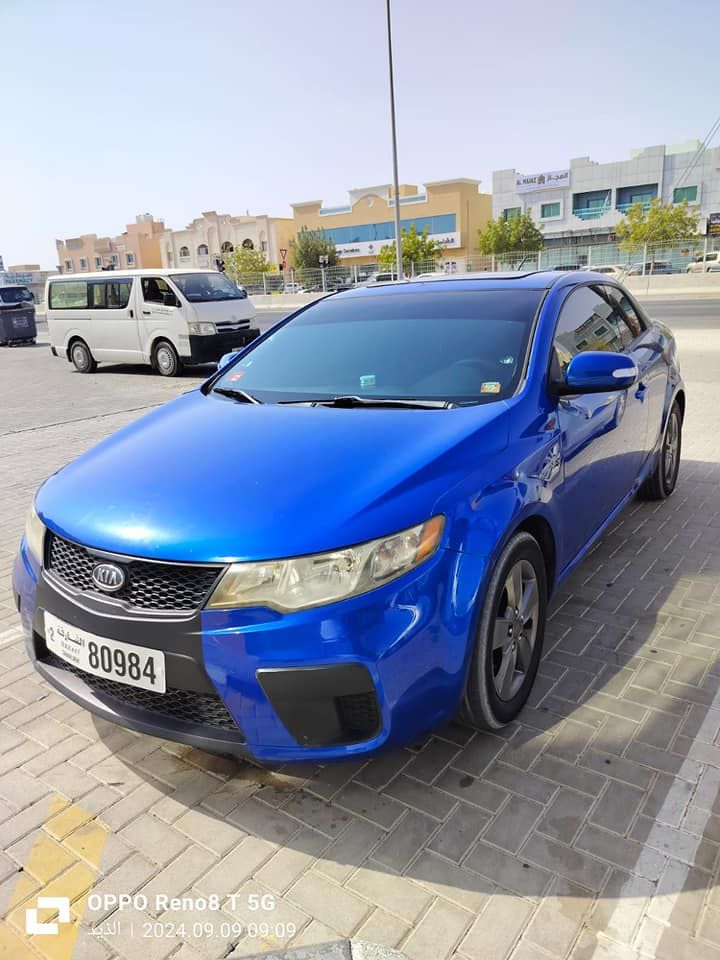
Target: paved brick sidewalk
[[590, 829]]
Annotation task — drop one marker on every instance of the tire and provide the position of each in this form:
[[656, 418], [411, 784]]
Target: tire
[[165, 359], [662, 481], [82, 359], [508, 646]]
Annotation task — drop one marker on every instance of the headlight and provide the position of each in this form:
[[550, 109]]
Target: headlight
[[202, 329], [302, 582], [34, 534]]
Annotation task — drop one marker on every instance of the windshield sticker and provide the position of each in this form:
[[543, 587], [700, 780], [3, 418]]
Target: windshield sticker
[[506, 361], [236, 376], [367, 381], [490, 386]]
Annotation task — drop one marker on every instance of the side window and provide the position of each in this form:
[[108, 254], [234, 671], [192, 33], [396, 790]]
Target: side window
[[69, 296], [632, 322], [586, 322], [113, 294], [154, 290]]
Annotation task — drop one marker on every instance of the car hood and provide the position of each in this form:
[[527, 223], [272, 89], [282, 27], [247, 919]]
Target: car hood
[[204, 478]]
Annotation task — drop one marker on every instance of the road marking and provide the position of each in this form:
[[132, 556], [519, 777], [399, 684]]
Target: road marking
[[624, 918], [63, 866]]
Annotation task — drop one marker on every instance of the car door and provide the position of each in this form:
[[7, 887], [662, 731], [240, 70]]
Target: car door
[[602, 434], [158, 315], [114, 326], [645, 345]]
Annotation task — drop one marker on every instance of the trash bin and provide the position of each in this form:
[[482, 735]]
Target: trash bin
[[17, 316]]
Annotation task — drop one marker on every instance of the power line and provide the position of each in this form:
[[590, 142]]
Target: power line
[[698, 153]]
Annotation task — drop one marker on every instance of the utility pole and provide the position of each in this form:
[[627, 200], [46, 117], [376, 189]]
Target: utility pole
[[396, 185]]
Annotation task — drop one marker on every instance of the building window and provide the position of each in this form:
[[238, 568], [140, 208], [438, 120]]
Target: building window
[[627, 196], [263, 244], [592, 204], [550, 210], [184, 253], [227, 247], [510, 212], [83, 263], [202, 250], [130, 258], [248, 244], [684, 193], [68, 267], [98, 263], [114, 259], [378, 232]]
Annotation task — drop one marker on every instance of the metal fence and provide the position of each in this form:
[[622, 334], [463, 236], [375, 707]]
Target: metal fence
[[640, 260]]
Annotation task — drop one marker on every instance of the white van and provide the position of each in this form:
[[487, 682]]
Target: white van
[[160, 317]]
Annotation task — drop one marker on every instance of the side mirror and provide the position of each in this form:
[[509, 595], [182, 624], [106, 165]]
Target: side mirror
[[226, 358], [598, 371], [169, 300]]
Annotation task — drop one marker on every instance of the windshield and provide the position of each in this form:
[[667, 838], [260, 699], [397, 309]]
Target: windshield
[[201, 287], [460, 346], [15, 295]]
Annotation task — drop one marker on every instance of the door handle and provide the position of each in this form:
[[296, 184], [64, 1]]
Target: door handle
[[131, 314], [641, 391], [147, 313]]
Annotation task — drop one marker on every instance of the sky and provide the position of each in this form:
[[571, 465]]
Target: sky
[[175, 107]]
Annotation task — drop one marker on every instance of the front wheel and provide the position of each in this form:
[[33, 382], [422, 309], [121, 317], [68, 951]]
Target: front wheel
[[510, 636], [662, 481], [167, 361]]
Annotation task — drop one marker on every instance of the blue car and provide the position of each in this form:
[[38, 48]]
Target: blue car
[[349, 534]]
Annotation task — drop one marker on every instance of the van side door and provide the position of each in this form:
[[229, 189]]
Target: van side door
[[114, 326]]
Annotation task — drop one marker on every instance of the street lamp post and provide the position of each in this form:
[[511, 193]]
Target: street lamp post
[[396, 185]]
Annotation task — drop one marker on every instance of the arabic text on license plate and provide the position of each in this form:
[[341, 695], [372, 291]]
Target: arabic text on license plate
[[124, 662]]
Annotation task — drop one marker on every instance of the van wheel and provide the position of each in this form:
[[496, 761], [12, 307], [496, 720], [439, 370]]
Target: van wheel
[[661, 482], [510, 636], [166, 360], [82, 358]]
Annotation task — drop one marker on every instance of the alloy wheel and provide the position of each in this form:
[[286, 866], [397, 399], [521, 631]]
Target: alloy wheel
[[671, 447], [515, 630]]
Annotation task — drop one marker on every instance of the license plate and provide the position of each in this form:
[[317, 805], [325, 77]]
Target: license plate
[[123, 662]]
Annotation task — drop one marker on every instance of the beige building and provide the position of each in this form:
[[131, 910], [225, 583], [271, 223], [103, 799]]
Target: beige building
[[213, 234], [138, 246], [451, 210]]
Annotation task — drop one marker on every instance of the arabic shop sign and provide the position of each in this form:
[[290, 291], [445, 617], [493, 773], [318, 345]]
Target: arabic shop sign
[[548, 180]]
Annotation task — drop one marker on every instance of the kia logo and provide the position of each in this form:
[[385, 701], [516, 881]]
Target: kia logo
[[108, 577]]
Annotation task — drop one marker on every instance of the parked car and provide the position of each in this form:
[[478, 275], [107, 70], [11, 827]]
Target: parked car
[[704, 263], [17, 315], [164, 318], [652, 267], [381, 278], [615, 270], [294, 288], [352, 530]]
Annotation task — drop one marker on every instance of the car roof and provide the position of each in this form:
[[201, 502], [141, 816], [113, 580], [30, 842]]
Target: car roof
[[139, 272], [511, 280]]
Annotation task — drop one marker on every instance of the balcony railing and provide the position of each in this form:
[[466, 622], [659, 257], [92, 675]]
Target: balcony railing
[[591, 213]]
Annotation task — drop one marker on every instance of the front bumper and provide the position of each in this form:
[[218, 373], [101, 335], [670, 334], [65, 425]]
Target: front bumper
[[333, 682], [210, 349]]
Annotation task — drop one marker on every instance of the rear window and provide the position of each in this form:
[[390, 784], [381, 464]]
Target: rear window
[[69, 295], [15, 295]]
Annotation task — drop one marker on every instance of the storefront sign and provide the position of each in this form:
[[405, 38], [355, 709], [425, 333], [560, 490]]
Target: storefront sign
[[372, 248], [548, 180], [713, 224]]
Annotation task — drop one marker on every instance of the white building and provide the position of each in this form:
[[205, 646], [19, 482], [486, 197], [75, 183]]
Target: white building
[[585, 200], [213, 234]]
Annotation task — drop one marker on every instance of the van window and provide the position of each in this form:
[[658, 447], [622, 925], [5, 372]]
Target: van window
[[154, 289], [72, 295], [114, 294]]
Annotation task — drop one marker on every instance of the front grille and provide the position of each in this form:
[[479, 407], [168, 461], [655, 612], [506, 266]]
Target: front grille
[[149, 585], [204, 709], [359, 713], [231, 326]]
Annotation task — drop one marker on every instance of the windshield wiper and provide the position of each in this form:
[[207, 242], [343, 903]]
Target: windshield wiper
[[408, 403], [240, 395]]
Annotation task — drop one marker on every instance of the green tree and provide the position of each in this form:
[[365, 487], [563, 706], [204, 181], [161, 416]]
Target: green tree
[[309, 245], [243, 262], [656, 224], [517, 233], [416, 247]]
